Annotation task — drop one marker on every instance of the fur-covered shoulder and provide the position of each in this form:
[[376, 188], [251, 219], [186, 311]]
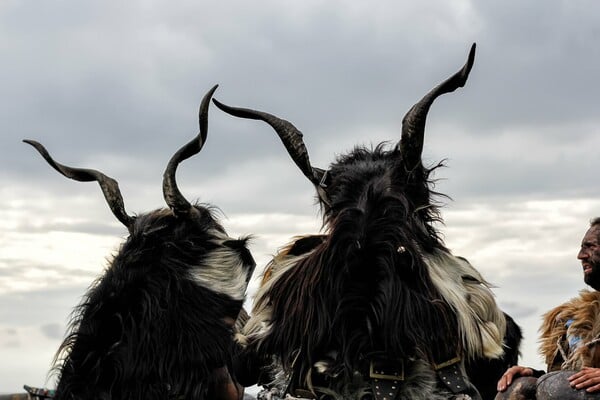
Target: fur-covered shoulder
[[297, 247], [286, 258], [482, 323], [584, 310]]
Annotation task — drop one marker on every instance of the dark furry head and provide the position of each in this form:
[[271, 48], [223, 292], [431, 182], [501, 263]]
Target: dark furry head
[[159, 322], [374, 182], [366, 288]]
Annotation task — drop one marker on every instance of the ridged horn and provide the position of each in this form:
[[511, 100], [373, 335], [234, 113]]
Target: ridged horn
[[110, 187], [287, 132], [413, 123], [172, 195]]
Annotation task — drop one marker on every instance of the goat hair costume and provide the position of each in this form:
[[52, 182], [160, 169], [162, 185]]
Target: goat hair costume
[[482, 325], [577, 321], [377, 307], [159, 322]]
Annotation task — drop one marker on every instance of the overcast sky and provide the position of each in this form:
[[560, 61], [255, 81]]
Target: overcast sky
[[116, 85]]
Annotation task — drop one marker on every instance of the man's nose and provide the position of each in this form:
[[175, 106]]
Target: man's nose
[[582, 254]]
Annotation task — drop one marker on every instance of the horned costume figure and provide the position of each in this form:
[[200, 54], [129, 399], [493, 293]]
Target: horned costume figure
[[376, 307], [159, 322]]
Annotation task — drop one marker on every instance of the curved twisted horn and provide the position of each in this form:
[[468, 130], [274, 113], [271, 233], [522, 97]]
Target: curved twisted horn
[[413, 123], [110, 187], [287, 132], [172, 195]]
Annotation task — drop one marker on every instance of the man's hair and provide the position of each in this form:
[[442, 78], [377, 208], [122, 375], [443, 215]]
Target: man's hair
[[595, 223]]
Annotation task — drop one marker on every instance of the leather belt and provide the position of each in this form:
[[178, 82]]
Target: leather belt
[[385, 375], [451, 376]]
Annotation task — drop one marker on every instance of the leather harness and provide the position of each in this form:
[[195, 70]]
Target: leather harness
[[385, 377]]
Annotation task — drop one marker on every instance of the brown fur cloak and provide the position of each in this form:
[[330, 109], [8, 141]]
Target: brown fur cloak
[[584, 310]]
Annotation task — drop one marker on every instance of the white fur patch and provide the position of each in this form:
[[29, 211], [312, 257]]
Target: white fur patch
[[482, 324], [223, 271]]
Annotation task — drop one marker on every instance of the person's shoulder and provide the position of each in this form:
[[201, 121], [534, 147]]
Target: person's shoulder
[[583, 300], [587, 295]]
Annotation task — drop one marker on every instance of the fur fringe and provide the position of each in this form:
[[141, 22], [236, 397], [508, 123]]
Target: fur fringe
[[584, 311], [482, 323]]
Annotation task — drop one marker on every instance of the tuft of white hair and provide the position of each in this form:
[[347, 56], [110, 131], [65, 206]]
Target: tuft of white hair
[[481, 322], [223, 271]]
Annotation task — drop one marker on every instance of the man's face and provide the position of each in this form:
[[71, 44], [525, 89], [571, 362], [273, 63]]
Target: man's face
[[589, 254]]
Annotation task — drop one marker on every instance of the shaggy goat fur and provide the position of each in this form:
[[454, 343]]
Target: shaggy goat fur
[[378, 284], [159, 322], [148, 329]]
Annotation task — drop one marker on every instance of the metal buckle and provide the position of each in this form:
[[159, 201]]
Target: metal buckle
[[445, 364], [380, 372], [324, 179]]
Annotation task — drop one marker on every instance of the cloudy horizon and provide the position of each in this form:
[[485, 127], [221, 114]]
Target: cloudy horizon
[[116, 86]]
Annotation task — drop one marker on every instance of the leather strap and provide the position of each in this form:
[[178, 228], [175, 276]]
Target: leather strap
[[451, 376], [386, 376]]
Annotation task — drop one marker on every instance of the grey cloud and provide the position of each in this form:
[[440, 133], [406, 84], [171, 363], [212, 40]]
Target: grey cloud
[[77, 227], [9, 331], [11, 344], [519, 311], [53, 330], [48, 306], [17, 266], [542, 54], [327, 71]]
